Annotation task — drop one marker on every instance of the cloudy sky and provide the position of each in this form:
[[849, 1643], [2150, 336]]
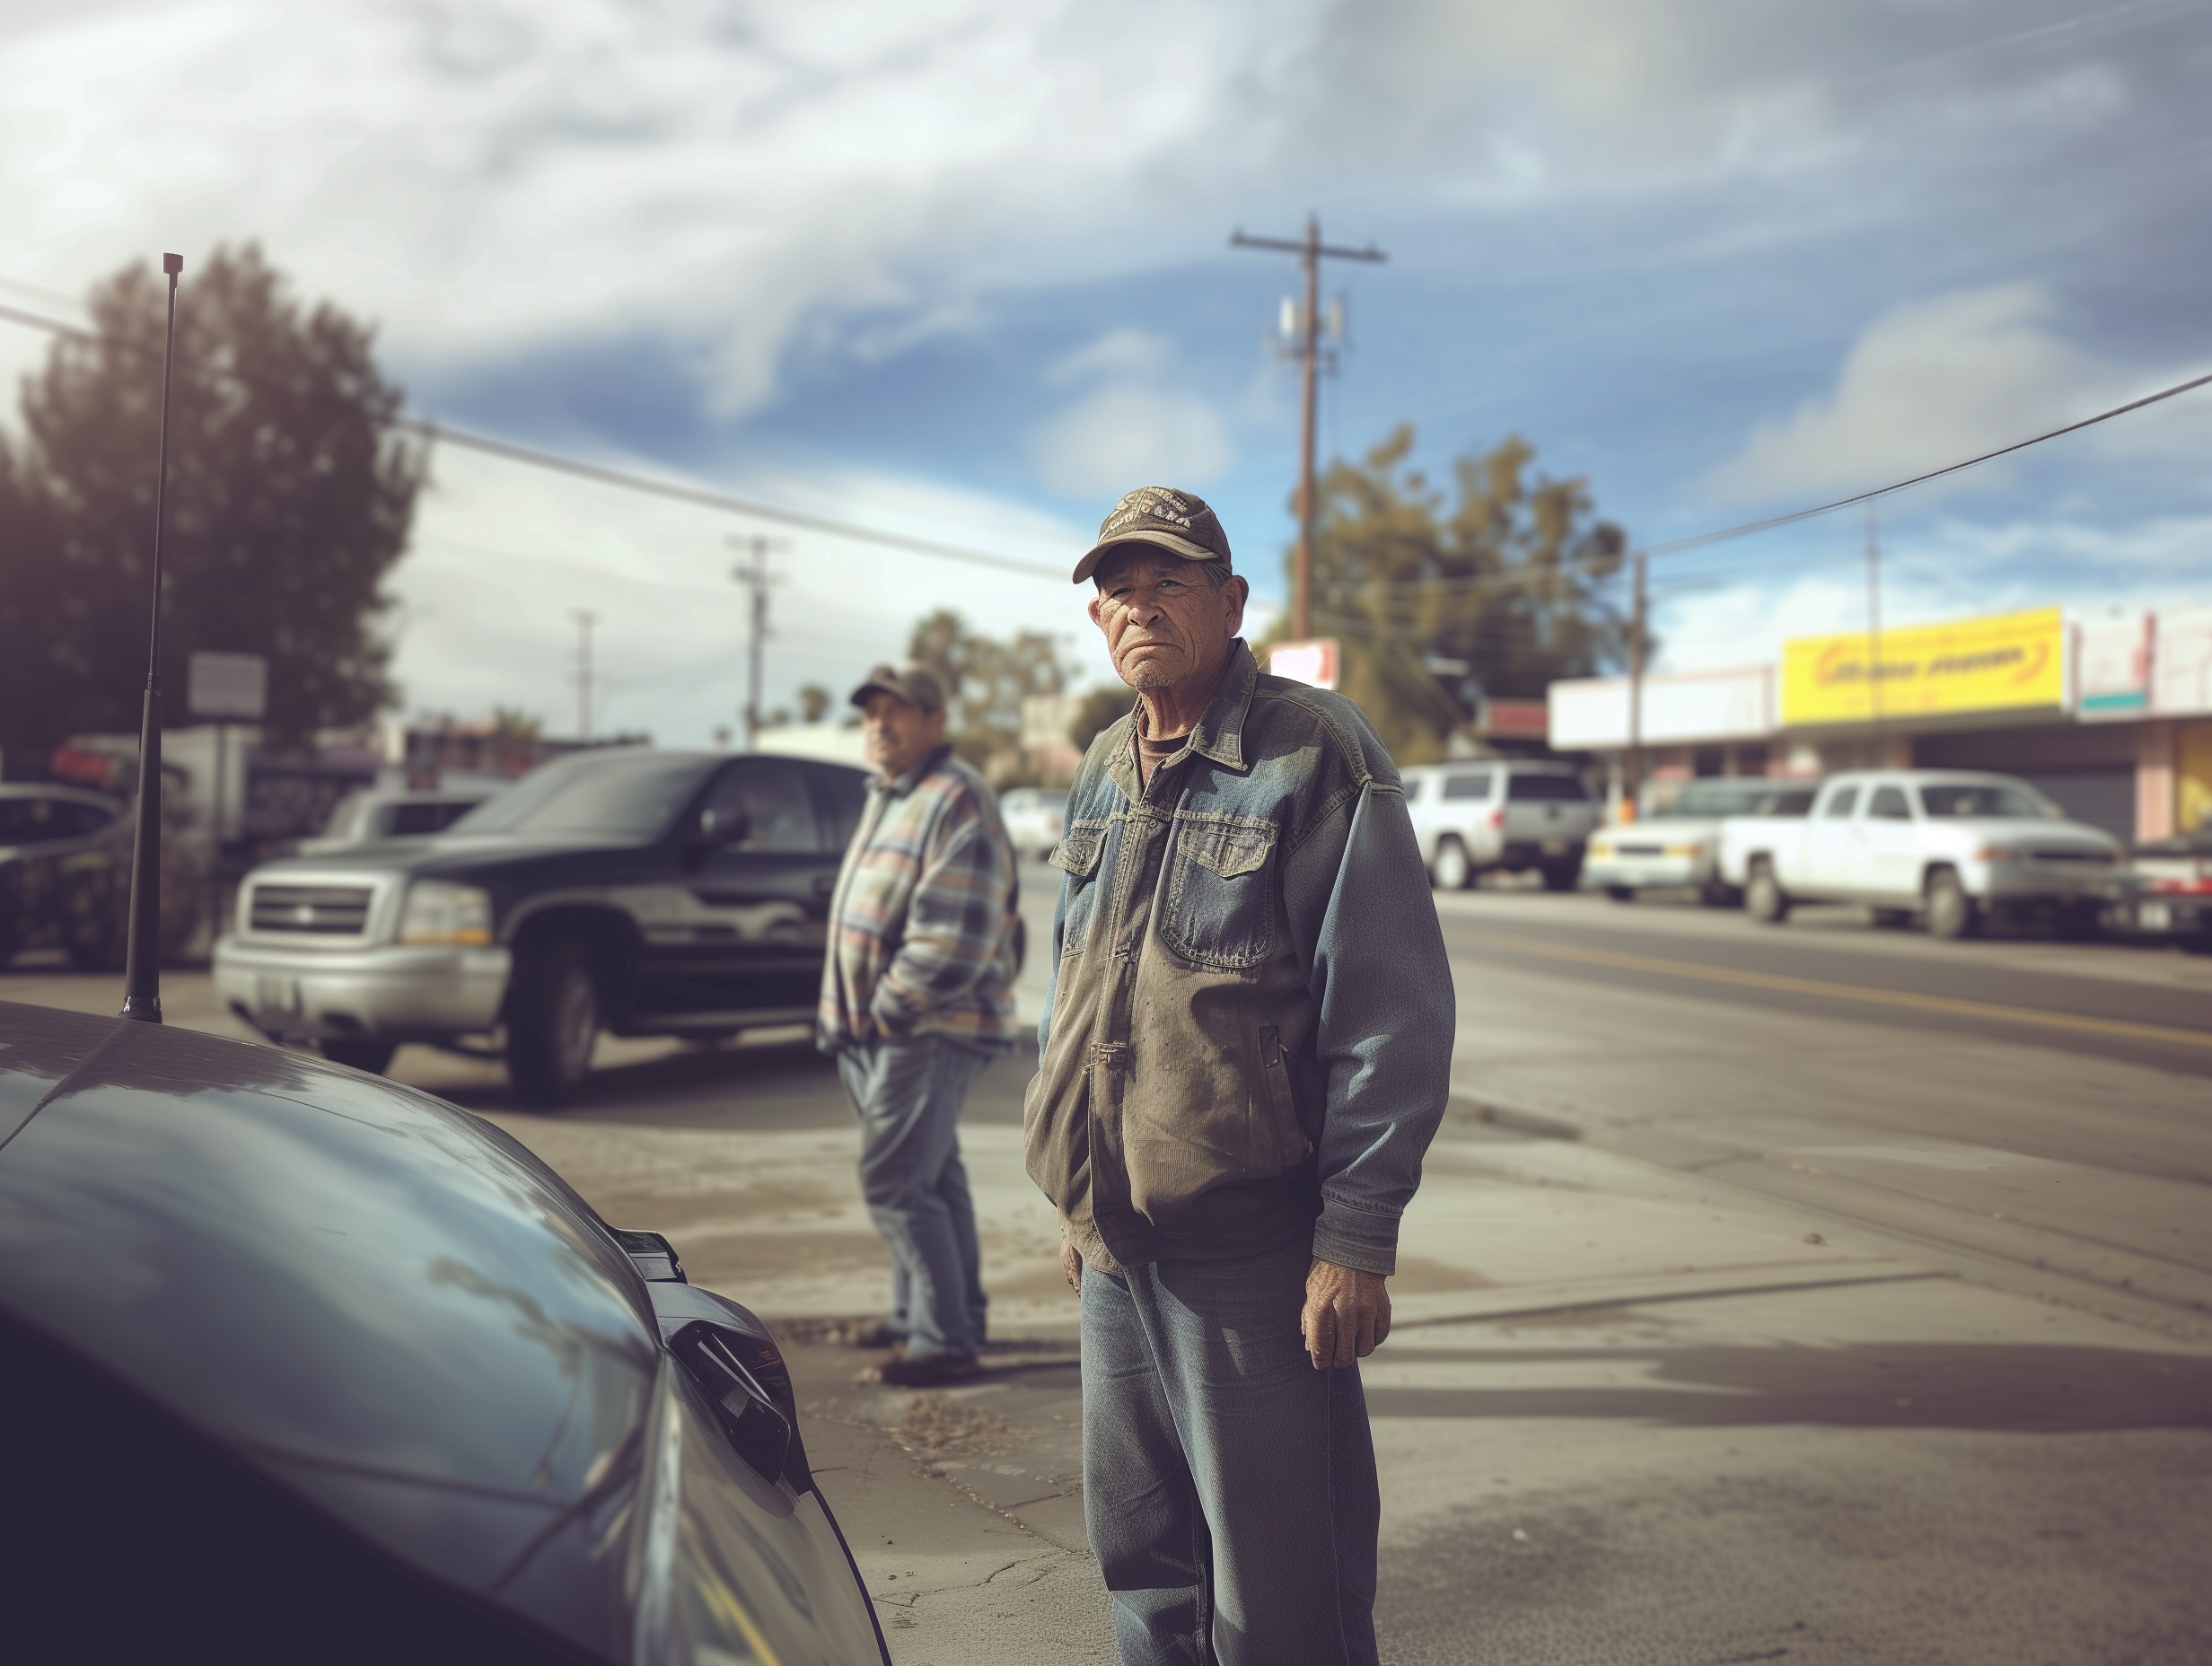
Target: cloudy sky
[[963, 270]]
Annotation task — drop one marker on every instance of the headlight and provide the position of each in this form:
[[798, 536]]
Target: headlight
[[1598, 847], [440, 912], [1685, 850], [1998, 852]]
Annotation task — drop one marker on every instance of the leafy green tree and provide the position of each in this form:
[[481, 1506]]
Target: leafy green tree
[[1437, 602], [814, 702], [290, 498], [1100, 708], [985, 682]]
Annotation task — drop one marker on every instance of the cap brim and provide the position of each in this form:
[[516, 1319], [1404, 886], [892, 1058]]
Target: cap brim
[[860, 694], [1183, 546]]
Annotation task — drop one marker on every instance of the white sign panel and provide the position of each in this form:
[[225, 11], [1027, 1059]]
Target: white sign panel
[[230, 686], [1313, 662], [1591, 714], [2113, 665], [2181, 661]]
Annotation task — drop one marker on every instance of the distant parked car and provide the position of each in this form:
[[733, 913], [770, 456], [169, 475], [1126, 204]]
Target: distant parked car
[[1952, 847], [374, 813], [1033, 817], [2166, 890], [1676, 846], [1503, 816], [65, 872]]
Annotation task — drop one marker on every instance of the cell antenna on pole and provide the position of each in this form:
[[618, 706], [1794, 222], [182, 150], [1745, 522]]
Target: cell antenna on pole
[[142, 959]]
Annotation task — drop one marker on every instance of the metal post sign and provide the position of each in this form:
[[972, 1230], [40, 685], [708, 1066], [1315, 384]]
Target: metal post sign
[[233, 687]]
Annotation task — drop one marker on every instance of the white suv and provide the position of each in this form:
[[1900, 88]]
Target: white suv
[[1495, 816]]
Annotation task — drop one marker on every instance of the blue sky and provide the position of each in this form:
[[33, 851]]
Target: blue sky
[[963, 270]]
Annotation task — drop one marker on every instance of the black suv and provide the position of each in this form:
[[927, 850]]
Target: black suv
[[640, 891], [64, 865]]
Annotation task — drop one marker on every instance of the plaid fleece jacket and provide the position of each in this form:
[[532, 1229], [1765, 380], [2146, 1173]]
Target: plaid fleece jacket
[[924, 931]]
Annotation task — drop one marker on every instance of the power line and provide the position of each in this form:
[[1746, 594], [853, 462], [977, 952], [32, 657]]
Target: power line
[[627, 479], [1700, 539]]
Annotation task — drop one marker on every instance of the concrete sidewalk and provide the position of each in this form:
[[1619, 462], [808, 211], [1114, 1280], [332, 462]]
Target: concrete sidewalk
[[1624, 1416]]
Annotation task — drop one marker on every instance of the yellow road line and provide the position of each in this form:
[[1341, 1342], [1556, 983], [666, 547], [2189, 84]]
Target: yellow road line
[[2033, 1016]]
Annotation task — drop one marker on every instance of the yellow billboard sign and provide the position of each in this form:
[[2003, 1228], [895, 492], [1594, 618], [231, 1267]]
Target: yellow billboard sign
[[1993, 663]]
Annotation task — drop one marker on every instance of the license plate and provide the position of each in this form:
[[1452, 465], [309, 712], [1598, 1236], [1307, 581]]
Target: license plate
[[1555, 848], [2153, 917], [277, 995]]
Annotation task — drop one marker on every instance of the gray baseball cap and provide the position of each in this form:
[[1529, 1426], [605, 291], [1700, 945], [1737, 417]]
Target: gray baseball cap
[[910, 683], [1160, 515]]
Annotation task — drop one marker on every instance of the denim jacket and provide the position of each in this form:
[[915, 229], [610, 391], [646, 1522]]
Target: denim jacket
[[1248, 1031]]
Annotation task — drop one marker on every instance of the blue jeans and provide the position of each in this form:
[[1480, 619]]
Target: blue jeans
[[1229, 1487], [908, 1095]]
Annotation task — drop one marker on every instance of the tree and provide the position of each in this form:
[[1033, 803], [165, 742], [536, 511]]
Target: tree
[[1436, 606], [814, 701], [1100, 709], [289, 500], [985, 683]]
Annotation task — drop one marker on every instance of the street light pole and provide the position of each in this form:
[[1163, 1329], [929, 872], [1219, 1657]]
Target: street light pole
[[757, 578], [1632, 789], [142, 952]]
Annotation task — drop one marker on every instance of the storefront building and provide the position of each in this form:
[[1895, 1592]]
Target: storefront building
[[2109, 714]]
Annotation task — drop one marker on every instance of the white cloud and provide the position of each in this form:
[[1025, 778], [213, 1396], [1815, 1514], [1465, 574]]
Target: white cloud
[[1125, 435], [1927, 383]]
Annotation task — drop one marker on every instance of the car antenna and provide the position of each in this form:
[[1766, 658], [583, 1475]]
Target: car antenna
[[142, 956]]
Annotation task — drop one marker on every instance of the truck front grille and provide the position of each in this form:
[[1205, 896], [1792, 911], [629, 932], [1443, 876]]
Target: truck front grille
[[325, 910], [2102, 858]]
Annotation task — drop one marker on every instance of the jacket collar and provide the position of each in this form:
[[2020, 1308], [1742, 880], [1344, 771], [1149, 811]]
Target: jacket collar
[[1218, 736], [898, 786]]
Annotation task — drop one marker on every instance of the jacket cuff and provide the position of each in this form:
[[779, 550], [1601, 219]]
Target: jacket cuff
[[1359, 1239]]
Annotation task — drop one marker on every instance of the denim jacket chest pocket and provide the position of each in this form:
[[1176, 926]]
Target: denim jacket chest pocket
[[1221, 891], [1077, 856]]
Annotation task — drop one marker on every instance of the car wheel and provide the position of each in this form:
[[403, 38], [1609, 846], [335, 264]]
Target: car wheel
[[2080, 921], [373, 1057], [552, 1025], [1764, 898], [1621, 893], [1950, 913], [1562, 875], [1451, 871]]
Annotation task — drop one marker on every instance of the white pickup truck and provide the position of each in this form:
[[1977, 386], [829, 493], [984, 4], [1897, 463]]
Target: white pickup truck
[[1952, 847]]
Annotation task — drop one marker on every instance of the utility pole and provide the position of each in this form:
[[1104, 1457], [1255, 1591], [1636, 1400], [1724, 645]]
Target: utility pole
[[1632, 789], [585, 619], [1311, 252], [1874, 628], [756, 578]]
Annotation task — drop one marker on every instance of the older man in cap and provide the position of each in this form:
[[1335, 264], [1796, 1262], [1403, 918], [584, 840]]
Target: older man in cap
[[916, 997], [1243, 1059]]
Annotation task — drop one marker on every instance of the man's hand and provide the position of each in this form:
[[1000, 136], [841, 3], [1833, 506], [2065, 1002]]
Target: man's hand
[[1347, 1313], [1071, 1266]]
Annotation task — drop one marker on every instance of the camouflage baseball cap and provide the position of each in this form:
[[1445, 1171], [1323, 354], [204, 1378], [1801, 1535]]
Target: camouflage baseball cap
[[1162, 516], [910, 683]]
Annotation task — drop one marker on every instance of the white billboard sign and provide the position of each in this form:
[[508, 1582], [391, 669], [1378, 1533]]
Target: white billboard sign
[[2113, 665], [2181, 661], [1591, 714], [233, 687]]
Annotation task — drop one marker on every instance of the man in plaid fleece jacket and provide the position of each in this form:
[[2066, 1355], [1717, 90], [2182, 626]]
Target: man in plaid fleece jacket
[[916, 997]]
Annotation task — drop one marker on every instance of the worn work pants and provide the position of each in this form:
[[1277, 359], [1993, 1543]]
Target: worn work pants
[[1229, 1487], [908, 1095]]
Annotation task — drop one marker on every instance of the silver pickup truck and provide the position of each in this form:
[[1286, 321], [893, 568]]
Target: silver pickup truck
[[1951, 846]]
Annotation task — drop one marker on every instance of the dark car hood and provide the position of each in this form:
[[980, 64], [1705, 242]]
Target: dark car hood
[[457, 855], [384, 1303]]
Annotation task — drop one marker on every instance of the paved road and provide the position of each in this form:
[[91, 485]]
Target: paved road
[[2034, 1113]]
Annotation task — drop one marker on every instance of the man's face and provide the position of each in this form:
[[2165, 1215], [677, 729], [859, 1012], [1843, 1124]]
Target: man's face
[[896, 732], [1164, 623]]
